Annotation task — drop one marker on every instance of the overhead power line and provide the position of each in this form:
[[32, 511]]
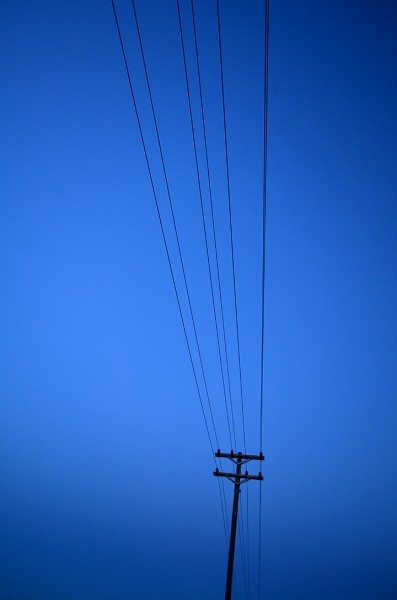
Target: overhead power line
[[221, 494], [161, 224], [221, 487], [212, 211], [242, 534], [205, 228], [170, 262], [230, 219], [174, 220]]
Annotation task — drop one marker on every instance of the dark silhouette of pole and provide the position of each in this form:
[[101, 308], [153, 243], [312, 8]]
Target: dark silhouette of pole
[[230, 562], [237, 478]]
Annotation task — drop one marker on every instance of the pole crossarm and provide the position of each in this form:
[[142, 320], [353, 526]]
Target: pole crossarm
[[239, 455], [238, 479]]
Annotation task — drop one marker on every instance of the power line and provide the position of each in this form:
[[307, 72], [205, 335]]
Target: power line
[[230, 219], [230, 225], [225, 528], [222, 495], [205, 228], [246, 568], [161, 224], [223, 504], [173, 219], [212, 209], [243, 548]]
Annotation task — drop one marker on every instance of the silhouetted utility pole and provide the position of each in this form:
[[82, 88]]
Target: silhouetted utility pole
[[237, 478]]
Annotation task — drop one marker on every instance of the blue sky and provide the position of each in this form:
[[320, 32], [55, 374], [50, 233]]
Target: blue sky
[[106, 470]]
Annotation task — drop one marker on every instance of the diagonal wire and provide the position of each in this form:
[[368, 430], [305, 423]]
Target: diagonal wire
[[265, 131], [212, 211], [221, 488], [232, 251], [222, 495], [174, 220], [205, 238], [246, 568], [205, 229], [230, 219], [224, 516], [161, 224]]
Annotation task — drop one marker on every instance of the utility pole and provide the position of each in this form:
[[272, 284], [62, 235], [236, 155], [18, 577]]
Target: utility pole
[[237, 478]]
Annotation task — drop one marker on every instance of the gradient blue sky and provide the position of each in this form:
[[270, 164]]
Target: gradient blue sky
[[106, 473]]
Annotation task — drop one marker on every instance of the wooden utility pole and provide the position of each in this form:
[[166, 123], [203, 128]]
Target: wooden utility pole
[[237, 478]]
